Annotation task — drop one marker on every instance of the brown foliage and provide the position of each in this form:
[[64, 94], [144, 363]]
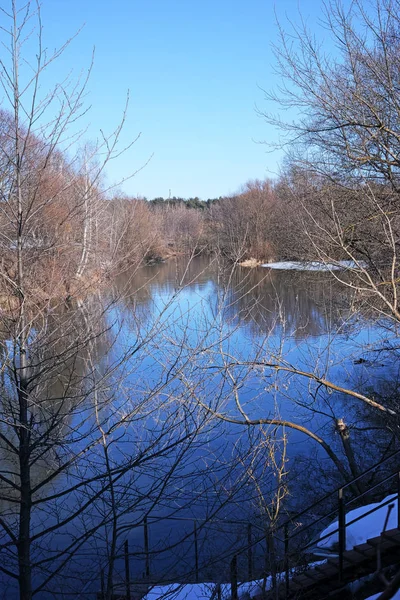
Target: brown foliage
[[241, 225], [182, 228], [136, 231]]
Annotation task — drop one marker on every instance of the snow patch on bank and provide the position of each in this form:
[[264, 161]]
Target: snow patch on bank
[[375, 596], [176, 591], [204, 591], [315, 265], [369, 526]]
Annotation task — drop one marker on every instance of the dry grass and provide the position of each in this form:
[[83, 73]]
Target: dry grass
[[251, 263]]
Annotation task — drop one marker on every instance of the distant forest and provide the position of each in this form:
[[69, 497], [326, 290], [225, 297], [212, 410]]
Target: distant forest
[[187, 202]]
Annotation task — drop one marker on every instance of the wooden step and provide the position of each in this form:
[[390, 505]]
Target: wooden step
[[365, 550], [360, 560]]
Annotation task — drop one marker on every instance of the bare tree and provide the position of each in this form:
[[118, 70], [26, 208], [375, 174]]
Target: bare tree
[[344, 144], [182, 228], [241, 224], [344, 160], [61, 487]]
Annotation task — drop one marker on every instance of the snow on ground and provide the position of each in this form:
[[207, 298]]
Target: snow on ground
[[176, 591], [204, 591], [375, 596], [315, 266], [367, 527]]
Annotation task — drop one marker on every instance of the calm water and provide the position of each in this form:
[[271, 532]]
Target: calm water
[[180, 346], [212, 317]]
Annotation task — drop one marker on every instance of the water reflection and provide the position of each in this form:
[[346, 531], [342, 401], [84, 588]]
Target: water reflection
[[112, 440], [301, 319], [119, 386], [304, 304], [212, 313]]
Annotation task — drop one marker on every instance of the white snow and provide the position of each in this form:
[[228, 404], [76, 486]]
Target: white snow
[[375, 596], [315, 265], [369, 526], [176, 591], [204, 591]]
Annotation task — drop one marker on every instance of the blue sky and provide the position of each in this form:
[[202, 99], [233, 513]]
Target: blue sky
[[194, 69]]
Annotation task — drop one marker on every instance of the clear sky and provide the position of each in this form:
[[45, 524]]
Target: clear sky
[[194, 69]]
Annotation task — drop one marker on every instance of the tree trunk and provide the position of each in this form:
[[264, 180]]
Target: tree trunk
[[344, 433], [20, 357], [24, 548]]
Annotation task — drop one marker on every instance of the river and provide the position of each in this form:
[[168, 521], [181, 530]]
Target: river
[[180, 355]]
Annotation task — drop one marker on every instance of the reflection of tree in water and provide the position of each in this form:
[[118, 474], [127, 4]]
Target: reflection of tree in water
[[138, 288], [58, 356], [300, 305], [297, 304], [59, 400], [304, 304], [107, 447], [160, 443]]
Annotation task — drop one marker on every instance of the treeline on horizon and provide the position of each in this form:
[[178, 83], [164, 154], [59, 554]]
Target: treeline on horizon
[[195, 202], [290, 218]]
